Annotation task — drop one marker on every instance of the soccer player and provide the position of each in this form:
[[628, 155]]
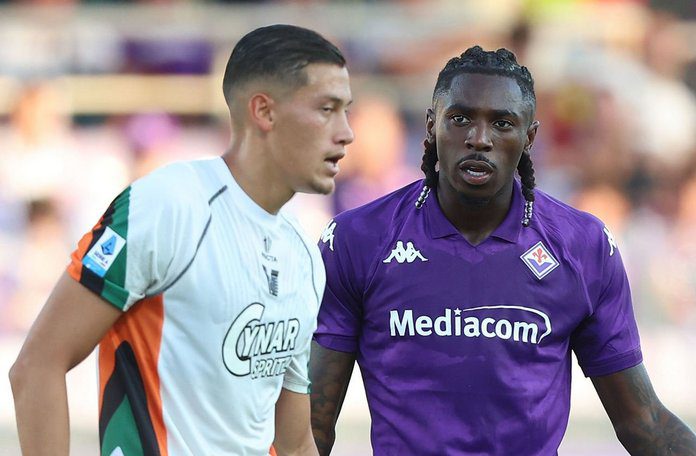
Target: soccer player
[[462, 296], [202, 291]]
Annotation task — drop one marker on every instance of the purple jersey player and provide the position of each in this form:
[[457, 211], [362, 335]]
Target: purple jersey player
[[463, 295]]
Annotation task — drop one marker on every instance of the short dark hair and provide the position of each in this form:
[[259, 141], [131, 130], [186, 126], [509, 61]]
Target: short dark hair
[[277, 52], [500, 63]]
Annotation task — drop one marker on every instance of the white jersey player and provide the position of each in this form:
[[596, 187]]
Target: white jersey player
[[200, 291]]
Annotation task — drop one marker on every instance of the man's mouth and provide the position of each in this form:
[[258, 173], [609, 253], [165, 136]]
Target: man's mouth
[[476, 172], [332, 162]]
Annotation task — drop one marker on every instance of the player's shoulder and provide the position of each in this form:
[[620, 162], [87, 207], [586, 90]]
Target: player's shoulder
[[293, 225], [179, 187], [569, 224], [382, 212], [179, 178], [366, 226]]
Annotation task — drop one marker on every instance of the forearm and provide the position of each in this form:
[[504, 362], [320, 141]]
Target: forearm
[[305, 448], [293, 436], [660, 434], [41, 408], [326, 405], [324, 435], [330, 373], [642, 423]]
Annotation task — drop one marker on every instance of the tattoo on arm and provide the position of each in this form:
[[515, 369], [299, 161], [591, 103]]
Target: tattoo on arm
[[329, 372], [643, 425]]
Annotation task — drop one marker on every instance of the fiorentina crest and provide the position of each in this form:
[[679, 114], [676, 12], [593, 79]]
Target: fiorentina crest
[[539, 260]]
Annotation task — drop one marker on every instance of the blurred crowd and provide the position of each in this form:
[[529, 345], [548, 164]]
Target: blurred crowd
[[617, 107]]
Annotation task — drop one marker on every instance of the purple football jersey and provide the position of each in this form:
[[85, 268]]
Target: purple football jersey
[[466, 350]]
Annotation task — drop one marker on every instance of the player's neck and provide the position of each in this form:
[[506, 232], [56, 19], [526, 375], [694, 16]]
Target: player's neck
[[251, 172], [474, 219]]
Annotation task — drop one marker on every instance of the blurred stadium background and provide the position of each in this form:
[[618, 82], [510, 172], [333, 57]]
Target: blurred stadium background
[[95, 93]]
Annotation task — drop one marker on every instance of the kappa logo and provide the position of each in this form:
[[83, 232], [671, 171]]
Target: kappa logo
[[611, 240], [539, 260], [401, 254], [328, 234]]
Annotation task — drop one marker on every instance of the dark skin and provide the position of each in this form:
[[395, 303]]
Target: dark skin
[[481, 126], [329, 372], [483, 123]]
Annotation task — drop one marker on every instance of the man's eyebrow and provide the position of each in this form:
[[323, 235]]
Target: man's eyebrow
[[336, 100], [494, 112], [505, 113]]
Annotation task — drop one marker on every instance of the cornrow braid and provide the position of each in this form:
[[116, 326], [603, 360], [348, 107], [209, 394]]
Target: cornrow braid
[[500, 63], [525, 168], [428, 168]]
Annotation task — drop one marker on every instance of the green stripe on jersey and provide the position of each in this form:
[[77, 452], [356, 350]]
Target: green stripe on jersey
[[115, 278], [122, 432]]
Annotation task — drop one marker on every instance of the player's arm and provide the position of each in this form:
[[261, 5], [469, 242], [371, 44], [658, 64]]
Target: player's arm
[[643, 425], [293, 435], [67, 329], [329, 372]]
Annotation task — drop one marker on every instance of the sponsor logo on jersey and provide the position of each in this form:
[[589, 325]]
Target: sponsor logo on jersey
[[328, 234], [272, 279], [510, 323], [611, 240], [266, 253], [103, 253], [269, 266], [401, 254], [539, 260], [259, 349]]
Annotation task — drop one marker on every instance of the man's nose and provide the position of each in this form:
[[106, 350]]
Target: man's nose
[[345, 134], [479, 138]]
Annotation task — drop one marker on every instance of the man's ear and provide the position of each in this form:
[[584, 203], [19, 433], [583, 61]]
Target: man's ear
[[531, 134], [261, 112], [430, 125]]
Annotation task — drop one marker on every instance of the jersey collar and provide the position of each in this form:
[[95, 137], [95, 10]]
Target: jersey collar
[[438, 226]]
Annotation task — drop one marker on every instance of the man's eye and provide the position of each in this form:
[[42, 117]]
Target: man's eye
[[458, 118], [502, 123]]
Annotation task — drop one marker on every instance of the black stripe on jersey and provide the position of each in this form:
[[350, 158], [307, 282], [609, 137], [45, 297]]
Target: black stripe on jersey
[[198, 246], [126, 382], [311, 261], [218, 193], [88, 278]]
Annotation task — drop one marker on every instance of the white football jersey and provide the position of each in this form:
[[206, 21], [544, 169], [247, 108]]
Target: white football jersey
[[220, 301]]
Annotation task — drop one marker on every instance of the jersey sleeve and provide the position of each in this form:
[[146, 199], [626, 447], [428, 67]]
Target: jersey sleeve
[[296, 377], [607, 341], [143, 241], [340, 314]]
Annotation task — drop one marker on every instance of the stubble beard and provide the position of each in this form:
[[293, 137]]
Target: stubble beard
[[473, 201]]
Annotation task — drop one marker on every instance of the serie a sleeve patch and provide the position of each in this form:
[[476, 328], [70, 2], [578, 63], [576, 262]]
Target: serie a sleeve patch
[[103, 253]]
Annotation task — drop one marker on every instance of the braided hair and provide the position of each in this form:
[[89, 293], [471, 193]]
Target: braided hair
[[500, 63]]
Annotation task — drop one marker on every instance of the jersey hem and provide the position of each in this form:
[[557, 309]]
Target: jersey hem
[[616, 364], [343, 344], [106, 297], [296, 387]]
